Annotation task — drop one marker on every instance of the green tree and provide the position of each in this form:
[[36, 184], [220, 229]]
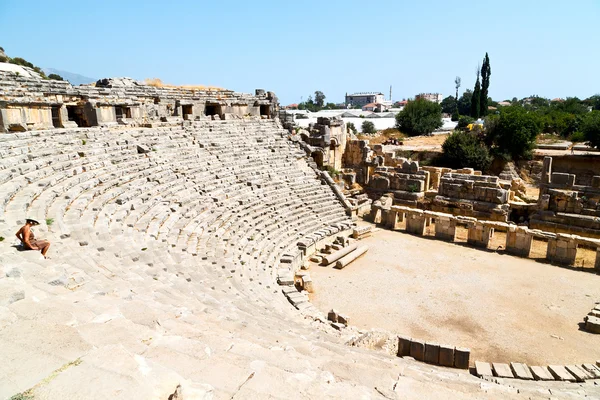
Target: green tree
[[486, 72], [448, 105], [55, 77], [593, 102], [465, 149], [351, 128], [419, 117], [512, 134], [590, 127], [464, 103], [319, 99], [476, 98], [368, 127]]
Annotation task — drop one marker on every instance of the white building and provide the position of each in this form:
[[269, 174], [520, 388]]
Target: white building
[[434, 97]]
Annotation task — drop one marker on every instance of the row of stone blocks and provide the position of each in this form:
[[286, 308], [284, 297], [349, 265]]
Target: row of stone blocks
[[434, 353], [562, 248], [569, 373]]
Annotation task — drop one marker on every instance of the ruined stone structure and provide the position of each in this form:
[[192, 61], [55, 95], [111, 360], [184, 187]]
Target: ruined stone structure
[[327, 141], [33, 104], [566, 207], [179, 222]]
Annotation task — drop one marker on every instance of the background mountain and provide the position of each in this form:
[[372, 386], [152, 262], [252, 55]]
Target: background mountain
[[75, 79]]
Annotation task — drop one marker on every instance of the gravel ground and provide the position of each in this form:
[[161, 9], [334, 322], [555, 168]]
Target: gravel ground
[[504, 308]]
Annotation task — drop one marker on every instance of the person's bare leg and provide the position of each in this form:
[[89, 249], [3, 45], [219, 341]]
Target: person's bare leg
[[45, 249]]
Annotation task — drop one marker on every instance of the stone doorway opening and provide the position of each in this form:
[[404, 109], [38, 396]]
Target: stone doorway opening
[[56, 117], [77, 115], [122, 112], [213, 109], [265, 110], [187, 110]]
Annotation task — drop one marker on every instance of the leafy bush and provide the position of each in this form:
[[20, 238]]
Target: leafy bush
[[514, 133], [55, 77], [49, 221], [464, 121], [419, 117], [577, 137], [351, 128], [463, 149], [3, 59], [590, 127], [368, 127]]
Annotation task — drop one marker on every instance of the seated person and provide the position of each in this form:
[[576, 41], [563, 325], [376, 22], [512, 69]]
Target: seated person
[[26, 236]]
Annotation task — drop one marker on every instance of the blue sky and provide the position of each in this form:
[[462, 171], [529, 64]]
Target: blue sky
[[550, 48]]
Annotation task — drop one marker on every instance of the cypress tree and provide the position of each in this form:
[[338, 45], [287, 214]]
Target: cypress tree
[[475, 99], [486, 71]]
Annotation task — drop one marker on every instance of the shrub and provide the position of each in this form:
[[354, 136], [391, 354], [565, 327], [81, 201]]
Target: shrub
[[49, 221], [55, 77], [590, 127], [463, 149], [368, 127], [464, 121], [455, 117], [577, 137], [514, 133], [3, 59], [419, 117]]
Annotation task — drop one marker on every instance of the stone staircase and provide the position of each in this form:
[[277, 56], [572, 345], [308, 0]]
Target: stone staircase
[[166, 245]]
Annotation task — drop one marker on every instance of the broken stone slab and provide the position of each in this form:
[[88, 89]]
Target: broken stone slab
[[560, 373], [541, 373], [446, 355], [417, 350], [521, 371], [578, 372], [343, 319], [502, 370], [483, 369]]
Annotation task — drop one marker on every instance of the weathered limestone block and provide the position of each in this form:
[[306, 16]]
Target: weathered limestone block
[[461, 357], [483, 369], [446, 355], [597, 264], [541, 373], [521, 371], [403, 346], [479, 235], [445, 228], [502, 370], [432, 353], [518, 241], [562, 250], [417, 350], [560, 373], [592, 324], [416, 222], [579, 373]]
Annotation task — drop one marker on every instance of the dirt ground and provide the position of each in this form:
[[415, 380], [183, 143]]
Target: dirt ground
[[504, 308]]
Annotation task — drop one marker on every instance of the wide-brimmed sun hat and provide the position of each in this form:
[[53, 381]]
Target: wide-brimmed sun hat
[[33, 221]]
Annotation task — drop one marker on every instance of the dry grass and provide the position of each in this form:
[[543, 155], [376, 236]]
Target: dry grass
[[158, 83]]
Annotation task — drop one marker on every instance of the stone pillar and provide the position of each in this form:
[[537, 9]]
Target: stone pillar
[[388, 218], [518, 241], [479, 235], [547, 170], [445, 228], [562, 250], [415, 222]]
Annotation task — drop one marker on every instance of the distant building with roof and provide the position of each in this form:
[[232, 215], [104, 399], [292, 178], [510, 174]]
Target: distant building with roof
[[433, 97], [363, 98]]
